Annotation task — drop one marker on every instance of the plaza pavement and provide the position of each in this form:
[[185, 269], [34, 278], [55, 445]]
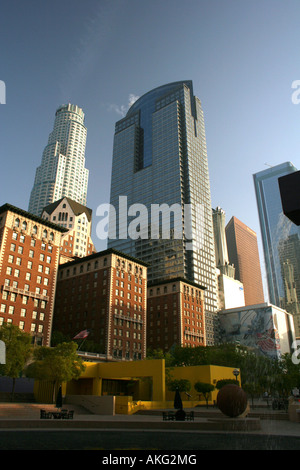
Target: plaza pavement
[[263, 421]]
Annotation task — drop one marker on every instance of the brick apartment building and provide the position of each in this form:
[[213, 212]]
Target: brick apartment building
[[29, 259], [104, 293], [175, 314]]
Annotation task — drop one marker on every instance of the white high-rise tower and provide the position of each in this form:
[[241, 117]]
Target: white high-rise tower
[[62, 172]]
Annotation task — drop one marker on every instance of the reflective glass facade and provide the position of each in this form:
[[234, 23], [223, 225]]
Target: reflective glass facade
[[159, 157], [281, 241]]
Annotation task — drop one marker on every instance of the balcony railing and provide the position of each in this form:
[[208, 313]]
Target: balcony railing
[[28, 293]]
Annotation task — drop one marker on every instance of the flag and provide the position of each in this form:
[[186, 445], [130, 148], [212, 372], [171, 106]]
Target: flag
[[82, 334]]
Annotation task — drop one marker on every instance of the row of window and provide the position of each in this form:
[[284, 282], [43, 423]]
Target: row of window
[[119, 354], [15, 285], [87, 266], [20, 251], [120, 342], [24, 226], [136, 322], [121, 294], [127, 334], [34, 328], [16, 273], [10, 309], [136, 288]]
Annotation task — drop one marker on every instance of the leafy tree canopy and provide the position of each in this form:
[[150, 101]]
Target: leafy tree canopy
[[58, 364]]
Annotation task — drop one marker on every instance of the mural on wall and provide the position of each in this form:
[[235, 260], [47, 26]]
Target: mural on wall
[[255, 329]]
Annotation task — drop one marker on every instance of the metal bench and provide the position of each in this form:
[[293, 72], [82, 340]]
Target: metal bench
[[168, 416]]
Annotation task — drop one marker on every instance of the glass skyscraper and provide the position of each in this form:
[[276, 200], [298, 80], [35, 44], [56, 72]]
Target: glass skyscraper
[[62, 171], [160, 191], [281, 242]]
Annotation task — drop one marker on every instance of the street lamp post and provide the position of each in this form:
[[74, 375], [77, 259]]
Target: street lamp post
[[236, 373]]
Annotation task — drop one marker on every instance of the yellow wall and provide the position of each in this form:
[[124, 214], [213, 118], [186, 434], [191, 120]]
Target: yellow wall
[[128, 370], [90, 382], [208, 374]]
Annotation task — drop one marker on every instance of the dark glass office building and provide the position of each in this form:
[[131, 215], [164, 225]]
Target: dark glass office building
[[160, 191]]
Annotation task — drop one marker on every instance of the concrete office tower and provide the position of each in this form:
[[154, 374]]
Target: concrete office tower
[[243, 253], [230, 290], [281, 241], [62, 171], [159, 158]]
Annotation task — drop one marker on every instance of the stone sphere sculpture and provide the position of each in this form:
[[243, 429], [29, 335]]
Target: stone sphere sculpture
[[232, 400]]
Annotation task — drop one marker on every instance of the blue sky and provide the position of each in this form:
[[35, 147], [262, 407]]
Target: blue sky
[[241, 55]]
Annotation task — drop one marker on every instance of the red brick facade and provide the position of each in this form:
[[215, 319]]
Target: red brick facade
[[243, 253], [175, 315], [106, 294], [29, 258]]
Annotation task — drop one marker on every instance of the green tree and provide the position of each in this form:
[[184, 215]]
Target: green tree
[[204, 389], [183, 385], [18, 352], [58, 364], [223, 382]]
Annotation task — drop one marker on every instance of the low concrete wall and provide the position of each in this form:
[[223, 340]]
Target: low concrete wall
[[104, 405], [294, 411]]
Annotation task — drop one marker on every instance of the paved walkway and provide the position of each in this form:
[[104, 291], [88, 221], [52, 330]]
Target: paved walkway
[[19, 415]]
